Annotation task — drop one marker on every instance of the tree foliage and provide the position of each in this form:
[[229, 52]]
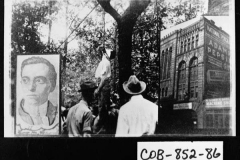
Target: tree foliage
[[181, 11], [26, 20], [145, 49]]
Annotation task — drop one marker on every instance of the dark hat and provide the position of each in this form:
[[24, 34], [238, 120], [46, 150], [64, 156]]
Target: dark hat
[[134, 86], [87, 85]]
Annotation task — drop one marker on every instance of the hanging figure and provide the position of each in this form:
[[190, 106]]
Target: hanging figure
[[103, 74]]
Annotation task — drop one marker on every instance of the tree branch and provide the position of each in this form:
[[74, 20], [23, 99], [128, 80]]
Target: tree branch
[[109, 9], [135, 8]]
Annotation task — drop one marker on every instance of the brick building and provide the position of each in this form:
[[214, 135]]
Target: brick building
[[194, 73]]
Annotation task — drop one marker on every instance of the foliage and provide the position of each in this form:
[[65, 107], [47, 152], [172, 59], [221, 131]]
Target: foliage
[[145, 49], [26, 19], [181, 11], [81, 64]]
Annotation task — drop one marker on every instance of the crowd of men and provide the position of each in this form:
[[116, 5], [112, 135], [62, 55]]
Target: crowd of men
[[135, 118]]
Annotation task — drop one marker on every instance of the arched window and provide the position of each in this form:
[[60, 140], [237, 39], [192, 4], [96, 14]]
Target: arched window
[[181, 80], [192, 42], [189, 47], [169, 62], [197, 40], [165, 65], [193, 76], [182, 49]]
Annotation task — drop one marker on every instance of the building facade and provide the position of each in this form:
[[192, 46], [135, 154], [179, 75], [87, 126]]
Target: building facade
[[194, 73]]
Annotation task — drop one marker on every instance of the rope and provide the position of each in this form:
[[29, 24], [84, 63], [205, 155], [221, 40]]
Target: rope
[[78, 13]]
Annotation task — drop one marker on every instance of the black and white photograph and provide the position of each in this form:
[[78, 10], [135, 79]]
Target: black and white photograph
[[120, 79], [128, 68]]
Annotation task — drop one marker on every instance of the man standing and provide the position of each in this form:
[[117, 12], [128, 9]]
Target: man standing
[[38, 80], [79, 118], [138, 116]]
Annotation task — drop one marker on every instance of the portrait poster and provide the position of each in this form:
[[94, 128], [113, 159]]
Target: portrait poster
[[37, 95]]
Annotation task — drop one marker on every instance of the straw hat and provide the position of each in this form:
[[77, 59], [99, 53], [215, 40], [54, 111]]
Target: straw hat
[[134, 86]]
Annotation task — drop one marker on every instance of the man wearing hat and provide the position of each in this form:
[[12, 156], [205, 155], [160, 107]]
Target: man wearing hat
[[139, 116], [79, 118]]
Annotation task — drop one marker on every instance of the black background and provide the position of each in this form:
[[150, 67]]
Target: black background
[[99, 148]]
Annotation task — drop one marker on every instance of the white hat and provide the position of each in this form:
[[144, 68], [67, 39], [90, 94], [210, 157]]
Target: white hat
[[134, 86]]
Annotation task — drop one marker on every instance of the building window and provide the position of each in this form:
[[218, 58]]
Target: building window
[[192, 42], [217, 119], [197, 40], [193, 69], [165, 65], [160, 92], [169, 62], [182, 49], [163, 92], [189, 44], [185, 45], [209, 121], [181, 80]]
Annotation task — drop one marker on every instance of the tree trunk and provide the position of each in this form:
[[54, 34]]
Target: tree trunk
[[124, 56], [125, 22]]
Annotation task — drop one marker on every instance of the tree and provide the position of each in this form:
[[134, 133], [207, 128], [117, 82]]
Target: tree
[[125, 24], [26, 20], [182, 10], [146, 48]]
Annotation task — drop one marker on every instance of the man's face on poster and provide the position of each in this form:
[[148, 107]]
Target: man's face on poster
[[35, 83]]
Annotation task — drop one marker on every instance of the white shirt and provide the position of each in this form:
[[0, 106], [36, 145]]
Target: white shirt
[[137, 117], [104, 68], [38, 113]]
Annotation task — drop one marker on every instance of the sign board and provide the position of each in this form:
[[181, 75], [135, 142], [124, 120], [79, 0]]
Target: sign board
[[217, 103], [182, 106], [217, 76], [217, 66]]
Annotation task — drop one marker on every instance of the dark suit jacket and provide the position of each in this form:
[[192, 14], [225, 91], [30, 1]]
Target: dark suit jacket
[[51, 113]]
